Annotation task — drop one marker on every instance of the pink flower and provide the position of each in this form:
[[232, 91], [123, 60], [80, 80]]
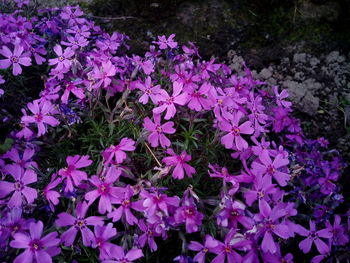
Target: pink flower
[[168, 102], [71, 173], [15, 59], [314, 236], [157, 131], [271, 168], [78, 223], [102, 235], [117, 255], [71, 87], [63, 61], [19, 187], [37, 249], [51, 195], [209, 244], [124, 199], [107, 193], [149, 90], [149, 232], [188, 214], [164, 43], [42, 115], [197, 101], [103, 74], [117, 152], [179, 161], [24, 161], [234, 132]]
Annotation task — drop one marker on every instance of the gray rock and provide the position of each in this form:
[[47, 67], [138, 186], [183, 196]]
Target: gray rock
[[299, 58], [314, 62], [296, 90], [310, 104], [265, 73], [334, 56], [311, 85]]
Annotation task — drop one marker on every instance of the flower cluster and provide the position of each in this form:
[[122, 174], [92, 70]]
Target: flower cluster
[[231, 171]]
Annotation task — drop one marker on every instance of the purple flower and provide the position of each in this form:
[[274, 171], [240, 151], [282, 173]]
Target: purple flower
[[167, 102], [188, 214], [157, 131], [24, 161], [262, 187], [313, 236], [271, 225], [117, 152], [78, 223], [15, 59], [72, 88], [104, 74], [71, 173], [37, 249], [63, 61], [149, 91], [270, 168], [164, 43], [232, 214], [51, 195], [340, 236], [197, 101], [102, 235], [234, 132], [227, 251], [118, 255], [107, 193], [326, 182], [124, 199], [42, 115], [179, 161], [12, 223], [148, 236], [19, 187], [281, 96], [209, 244], [154, 202]]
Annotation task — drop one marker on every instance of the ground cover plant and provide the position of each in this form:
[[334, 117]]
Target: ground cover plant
[[114, 157]]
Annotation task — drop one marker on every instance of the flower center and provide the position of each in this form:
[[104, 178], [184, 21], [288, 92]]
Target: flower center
[[18, 186], [227, 249], [271, 170], [14, 59], [61, 58], [80, 223], [35, 245], [235, 130], [126, 202], [169, 100], [159, 128]]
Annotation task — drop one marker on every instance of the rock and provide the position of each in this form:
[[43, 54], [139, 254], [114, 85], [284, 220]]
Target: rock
[[295, 90], [334, 56], [265, 73], [329, 11], [314, 62], [310, 104], [299, 58], [311, 85]]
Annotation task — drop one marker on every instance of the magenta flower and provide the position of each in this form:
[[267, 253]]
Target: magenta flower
[[24, 161], [78, 223], [227, 251], [71, 173], [149, 90], [164, 43], [124, 199], [157, 131], [271, 225], [270, 168], [340, 236], [72, 88], [209, 244], [232, 214], [51, 195], [12, 223], [72, 14], [37, 249], [234, 132], [155, 202], [102, 235], [63, 61], [117, 152], [150, 232], [167, 102], [37, 52], [281, 96], [75, 42], [104, 74], [313, 236], [107, 193], [42, 115], [261, 189], [19, 187], [188, 214], [327, 181], [118, 255], [197, 101], [179, 161], [15, 59]]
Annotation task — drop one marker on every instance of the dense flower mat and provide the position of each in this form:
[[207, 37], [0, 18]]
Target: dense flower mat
[[119, 154]]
